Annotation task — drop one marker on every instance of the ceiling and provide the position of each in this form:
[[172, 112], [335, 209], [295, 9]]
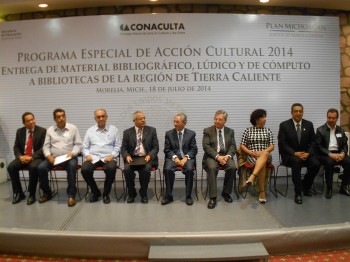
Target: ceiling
[[24, 6]]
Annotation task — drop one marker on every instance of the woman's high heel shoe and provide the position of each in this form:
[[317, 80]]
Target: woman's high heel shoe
[[246, 185], [262, 200]]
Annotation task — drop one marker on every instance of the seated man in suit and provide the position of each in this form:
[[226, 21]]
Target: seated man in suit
[[296, 138], [332, 149], [61, 139], [219, 147], [139, 150], [28, 150], [180, 150], [101, 147]]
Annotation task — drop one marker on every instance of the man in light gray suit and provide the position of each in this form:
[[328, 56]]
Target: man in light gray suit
[[219, 147]]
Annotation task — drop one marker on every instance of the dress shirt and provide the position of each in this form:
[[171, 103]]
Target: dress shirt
[[101, 143], [295, 124], [142, 149], [59, 142], [333, 143]]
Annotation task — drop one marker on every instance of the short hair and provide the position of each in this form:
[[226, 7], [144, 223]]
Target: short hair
[[222, 112], [333, 110], [58, 110], [256, 114], [26, 114], [182, 116], [100, 109], [296, 104], [135, 113]]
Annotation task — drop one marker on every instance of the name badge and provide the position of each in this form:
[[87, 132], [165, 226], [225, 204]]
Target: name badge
[[338, 135]]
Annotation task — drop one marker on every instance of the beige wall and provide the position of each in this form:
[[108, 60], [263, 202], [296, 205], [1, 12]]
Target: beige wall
[[344, 24]]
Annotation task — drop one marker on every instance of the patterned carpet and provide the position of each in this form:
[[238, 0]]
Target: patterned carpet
[[331, 256]]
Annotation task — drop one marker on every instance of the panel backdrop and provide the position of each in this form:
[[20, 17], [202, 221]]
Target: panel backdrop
[[167, 63]]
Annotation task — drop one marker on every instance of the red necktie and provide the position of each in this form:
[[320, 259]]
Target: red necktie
[[29, 147]]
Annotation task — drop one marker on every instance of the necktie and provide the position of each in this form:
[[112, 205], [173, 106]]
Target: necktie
[[221, 142], [180, 144], [139, 140], [29, 147], [298, 132]]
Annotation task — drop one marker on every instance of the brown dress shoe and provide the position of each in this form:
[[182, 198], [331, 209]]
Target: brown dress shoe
[[44, 198], [71, 202]]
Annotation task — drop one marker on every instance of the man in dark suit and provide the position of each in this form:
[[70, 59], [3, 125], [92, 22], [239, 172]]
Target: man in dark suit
[[28, 150], [296, 139], [140, 142], [332, 149], [219, 147], [180, 150]]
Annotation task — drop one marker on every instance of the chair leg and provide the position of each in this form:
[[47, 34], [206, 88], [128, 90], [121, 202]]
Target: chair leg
[[272, 175], [276, 176], [235, 187], [24, 180], [195, 184], [115, 187], [53, 181]]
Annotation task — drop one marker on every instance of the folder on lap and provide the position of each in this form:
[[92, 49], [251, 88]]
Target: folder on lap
[[138, 161]]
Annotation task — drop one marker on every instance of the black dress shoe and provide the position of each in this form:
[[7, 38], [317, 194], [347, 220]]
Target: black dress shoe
[[329, 193], [298, 199], [344, 190], [31, 200], [18, 197], [131, 199], [144, 200], [189, 201], [212, 203], [106, 199], [307, 193], [226, 197], [166, 201], [94, 197]]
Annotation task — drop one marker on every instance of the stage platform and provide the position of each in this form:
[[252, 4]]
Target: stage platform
[[121, 230]]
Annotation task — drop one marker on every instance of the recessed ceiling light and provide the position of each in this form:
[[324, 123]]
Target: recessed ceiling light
[[153, 0], [264, 1], [43, 5]]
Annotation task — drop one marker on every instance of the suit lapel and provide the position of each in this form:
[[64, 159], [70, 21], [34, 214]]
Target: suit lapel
[[175, 138], [294, 131]]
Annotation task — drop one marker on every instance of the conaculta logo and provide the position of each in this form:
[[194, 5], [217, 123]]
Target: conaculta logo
[[152, 26]]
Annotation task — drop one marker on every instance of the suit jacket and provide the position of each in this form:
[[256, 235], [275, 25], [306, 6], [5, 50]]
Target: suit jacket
[[288, 139], [149, 142], [38, 142], [323, 136], [210, 143], [189, 145]]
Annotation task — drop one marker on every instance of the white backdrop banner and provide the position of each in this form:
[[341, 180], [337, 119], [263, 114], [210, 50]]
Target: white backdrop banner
[[164, 64]]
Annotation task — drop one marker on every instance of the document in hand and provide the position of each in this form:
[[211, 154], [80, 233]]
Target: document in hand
[[61, 159]]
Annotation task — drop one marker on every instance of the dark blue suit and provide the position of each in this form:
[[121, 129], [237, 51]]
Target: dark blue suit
[[288, 144], [171, 148]]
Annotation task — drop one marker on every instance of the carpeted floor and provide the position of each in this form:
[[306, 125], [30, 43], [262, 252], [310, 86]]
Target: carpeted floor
[[331, 256]]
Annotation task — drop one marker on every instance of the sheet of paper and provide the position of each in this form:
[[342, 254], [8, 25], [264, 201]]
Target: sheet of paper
[[61, 159]]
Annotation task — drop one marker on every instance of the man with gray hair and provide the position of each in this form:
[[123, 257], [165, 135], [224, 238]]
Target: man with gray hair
[[139, 150], [219, 147], [180, 150], [101, 148]]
